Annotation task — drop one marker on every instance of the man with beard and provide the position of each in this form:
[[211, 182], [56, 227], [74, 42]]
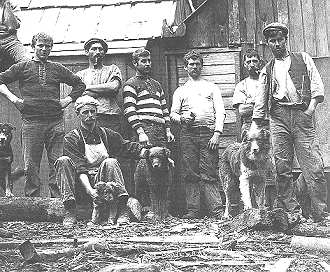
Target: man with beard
[[245, 90], [41, 108], [290, 89], [103, 83], [198, 107], [89, 157], [144, 104]]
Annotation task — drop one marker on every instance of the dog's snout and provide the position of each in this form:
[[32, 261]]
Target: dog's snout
[[254, 147]]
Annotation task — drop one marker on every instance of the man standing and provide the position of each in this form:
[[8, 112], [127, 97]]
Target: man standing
[[89, 153], [145, 105], [290, 89], [41, 108], [245, 90], [198, 107], [102, 83], [10, 46]]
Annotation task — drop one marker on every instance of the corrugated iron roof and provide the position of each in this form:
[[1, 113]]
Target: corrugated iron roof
[[75, 21]]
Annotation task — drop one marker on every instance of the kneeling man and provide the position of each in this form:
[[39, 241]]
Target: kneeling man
[[89, 157]]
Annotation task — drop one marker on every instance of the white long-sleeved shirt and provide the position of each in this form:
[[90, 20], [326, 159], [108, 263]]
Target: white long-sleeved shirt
[[203, 98]]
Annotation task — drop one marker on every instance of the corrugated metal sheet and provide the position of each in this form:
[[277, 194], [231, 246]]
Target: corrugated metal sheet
[[75, 21]]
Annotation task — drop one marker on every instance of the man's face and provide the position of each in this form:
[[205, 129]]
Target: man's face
[[96, 53], [252, 64], [42, 49], [143, 65], [87, 114], [277, 44], [194, 68]]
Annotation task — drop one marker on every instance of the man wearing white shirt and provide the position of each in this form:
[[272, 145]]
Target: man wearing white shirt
[[198, 107], [290, 89]]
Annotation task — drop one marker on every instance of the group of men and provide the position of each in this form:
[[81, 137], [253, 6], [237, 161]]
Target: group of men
[[285, 93]]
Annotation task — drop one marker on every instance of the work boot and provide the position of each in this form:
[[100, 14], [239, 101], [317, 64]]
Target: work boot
[[70, 220]]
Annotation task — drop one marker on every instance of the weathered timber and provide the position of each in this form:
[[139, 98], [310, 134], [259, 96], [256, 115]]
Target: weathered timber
[[34, 209], [311, 243], [131, 267], [311, 230]]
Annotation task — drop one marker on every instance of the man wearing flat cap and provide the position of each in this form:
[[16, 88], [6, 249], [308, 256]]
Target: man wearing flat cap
[[290, 89], [102, 83], [90, 154]]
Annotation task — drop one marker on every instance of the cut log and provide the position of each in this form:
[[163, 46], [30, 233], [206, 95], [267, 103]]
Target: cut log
[[311, 230], [131, 267], [311, 243], [36, 209]]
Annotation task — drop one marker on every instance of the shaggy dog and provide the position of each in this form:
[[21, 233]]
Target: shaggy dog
[[6, 158], [153, 179], [244, 165]]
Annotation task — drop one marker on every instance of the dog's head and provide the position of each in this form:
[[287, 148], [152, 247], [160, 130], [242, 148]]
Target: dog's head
[[257, 141], [159, 158], [5, 134]]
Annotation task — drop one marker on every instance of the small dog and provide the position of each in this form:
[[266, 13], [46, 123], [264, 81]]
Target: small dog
[[153, 176], [6, 159], [244, 165]]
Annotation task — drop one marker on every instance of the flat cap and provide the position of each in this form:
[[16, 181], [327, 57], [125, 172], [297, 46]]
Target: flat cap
[[275, 26], [85, 100], [89, 43]]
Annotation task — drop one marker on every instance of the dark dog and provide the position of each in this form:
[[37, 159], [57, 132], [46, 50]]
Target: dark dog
[[153, 176], [6, 159], [244, 166]]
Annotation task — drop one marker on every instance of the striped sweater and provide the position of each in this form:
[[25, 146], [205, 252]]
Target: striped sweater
[[145, 101]]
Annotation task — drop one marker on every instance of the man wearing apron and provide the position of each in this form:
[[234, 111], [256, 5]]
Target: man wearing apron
[[89, 157]]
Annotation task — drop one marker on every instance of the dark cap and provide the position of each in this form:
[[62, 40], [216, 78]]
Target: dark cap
[[275, 26], [89, 43]]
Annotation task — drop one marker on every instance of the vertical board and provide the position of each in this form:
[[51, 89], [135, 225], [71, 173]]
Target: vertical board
[[296, 26], [233, 28], [309, 26], [283, 14], [322, 47], [250, 13]]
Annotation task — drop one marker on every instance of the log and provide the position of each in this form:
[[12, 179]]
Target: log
[[131, 267], [34, 209], [311, 243], [311, 229]]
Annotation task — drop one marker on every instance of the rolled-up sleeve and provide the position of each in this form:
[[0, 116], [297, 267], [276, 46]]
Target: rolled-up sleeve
[[317, 87], [239, 96], [176, 106], [219, 107], [261, 99]]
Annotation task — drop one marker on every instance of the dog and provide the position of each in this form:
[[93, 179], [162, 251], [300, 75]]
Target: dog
[[243, 166], [153, 180], [6, 158]]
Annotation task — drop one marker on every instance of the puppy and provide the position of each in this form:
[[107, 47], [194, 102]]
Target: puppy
[[244, 165], [6, 159], [153, 179]]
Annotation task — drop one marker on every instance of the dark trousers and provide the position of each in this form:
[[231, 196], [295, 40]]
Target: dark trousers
[[199, 172], [37, 135], [11, 47], [293, 131], [156, 133]]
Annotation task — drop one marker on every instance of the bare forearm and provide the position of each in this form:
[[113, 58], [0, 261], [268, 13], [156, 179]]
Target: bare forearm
[[85, 183], [110, 88], [8, 94]]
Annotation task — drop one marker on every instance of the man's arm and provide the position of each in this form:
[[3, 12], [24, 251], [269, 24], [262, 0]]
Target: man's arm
[[105, 89], [261, 99], [78, 87], [317, 87], [176, 107], [166, 115]]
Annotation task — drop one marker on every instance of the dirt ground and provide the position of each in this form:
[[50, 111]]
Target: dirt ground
[[244, 251]]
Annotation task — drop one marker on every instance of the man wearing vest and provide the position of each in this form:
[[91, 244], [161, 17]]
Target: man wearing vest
[[290, 89]]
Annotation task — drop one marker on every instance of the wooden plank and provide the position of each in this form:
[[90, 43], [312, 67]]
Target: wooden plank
[[242, 20], [283, 14], [322, 47], [48, 21], [250, 21], [309, 26], [213, 59], [234, 30], [296, 26], [328, 22], [228, 79]]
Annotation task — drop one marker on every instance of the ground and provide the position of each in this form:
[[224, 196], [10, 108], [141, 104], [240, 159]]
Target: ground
[[244, 251]]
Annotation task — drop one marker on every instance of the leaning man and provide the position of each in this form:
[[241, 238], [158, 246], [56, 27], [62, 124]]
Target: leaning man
[[41, 108], [290, 89], [103, 83], [89, 157]]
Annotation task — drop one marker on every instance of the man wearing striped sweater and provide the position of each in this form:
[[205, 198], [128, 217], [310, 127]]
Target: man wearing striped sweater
[[144, 104]]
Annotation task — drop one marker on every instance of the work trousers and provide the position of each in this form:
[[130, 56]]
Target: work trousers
[[37, 135], [293, 131], [70, 187], [199, 173]]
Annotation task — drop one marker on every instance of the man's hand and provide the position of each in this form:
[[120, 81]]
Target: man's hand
[[19, 104], [91, 93], [214, 142], [64, 102], [187, 118], [309, 112], [245, 109], [169, 136], [144, 139]]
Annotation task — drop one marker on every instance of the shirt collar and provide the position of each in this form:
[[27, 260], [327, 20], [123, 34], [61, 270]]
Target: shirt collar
[[34, 58]]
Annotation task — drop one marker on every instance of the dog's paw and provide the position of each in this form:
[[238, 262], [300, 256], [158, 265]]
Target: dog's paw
[[9, 194]]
